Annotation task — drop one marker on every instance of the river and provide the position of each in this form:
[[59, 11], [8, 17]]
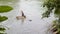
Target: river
[[33, 10]]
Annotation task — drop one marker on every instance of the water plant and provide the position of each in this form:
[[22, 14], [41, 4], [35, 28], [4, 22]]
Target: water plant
[[3, 18], [53, 6], [4, 9]]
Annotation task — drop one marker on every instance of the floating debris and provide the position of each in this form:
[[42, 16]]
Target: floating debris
[[30, 20]]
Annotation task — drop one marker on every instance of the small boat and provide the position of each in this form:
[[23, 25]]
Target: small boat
[[21, 17]]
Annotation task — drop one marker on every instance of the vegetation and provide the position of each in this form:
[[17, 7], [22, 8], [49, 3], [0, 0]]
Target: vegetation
[[4, 9], [9, 1], [1, 33], [53, 6], [2, 29], [3, 18]]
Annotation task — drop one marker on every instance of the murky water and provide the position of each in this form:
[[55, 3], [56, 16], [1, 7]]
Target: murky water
[[33, 10]]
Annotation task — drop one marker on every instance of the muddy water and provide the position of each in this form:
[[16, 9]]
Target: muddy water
[[33, 10]]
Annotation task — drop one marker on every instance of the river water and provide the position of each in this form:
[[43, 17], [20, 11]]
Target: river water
[[33, 10]]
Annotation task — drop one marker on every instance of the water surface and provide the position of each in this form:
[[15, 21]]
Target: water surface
[[33, 10]]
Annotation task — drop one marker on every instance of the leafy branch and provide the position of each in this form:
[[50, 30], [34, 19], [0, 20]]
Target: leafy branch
[[53, 5]]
